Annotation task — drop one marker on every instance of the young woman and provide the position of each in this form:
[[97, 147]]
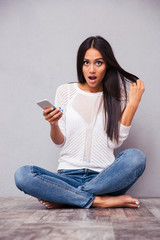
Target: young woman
[[96, 118]]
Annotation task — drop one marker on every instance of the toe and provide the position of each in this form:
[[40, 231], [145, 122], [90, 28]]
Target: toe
[[129, 199], [131, 205], [136, 201]]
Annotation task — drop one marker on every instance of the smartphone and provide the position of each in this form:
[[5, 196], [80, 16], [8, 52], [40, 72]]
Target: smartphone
[[45, 104]]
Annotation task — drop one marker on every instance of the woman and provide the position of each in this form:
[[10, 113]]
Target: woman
[[96, 118]]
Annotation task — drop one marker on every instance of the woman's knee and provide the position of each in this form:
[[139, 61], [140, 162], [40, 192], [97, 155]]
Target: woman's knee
[[21, 176], [137, 158]]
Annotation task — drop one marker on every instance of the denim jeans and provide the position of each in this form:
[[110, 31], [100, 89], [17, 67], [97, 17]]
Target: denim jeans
[[79, 187]]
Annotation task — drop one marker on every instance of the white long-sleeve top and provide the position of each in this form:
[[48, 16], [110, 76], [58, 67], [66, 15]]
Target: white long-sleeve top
[[86, 144]]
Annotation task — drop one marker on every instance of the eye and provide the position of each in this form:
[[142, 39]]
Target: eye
[[86, 63], [99, 63]]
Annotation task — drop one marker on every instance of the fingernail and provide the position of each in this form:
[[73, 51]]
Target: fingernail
[[53, 108], [138, 206], [136, 203], [59, 108]]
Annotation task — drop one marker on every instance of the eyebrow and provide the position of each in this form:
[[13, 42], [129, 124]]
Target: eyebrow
[[94, 59]]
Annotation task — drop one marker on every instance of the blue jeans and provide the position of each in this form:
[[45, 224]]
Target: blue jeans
[[79, 187]]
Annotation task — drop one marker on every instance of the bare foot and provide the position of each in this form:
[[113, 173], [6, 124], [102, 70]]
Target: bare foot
[[51, 205], [115, 201]]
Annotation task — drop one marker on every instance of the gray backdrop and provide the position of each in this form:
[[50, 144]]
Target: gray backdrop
[[38, 46]]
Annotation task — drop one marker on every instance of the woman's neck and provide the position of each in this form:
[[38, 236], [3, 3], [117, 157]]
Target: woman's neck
[[86, 88]]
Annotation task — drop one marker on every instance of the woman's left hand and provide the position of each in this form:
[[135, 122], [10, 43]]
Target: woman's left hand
[[135, 93]]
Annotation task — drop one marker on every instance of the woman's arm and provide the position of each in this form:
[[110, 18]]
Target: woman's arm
[[135, 93], [52, 116], [56, 134]]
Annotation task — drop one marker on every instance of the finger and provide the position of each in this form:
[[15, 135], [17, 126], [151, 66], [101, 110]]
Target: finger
[[56, 120], [56, 116], [138, 82], [47, 111], [142, 84], [51, 114], [133, 84]]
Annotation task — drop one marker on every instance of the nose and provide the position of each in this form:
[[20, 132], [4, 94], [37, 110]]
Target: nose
[[92, 69]]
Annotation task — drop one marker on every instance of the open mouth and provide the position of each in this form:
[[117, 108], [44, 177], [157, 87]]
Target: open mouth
[[92, 78]]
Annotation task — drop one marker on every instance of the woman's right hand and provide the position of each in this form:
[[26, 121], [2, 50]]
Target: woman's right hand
[[52, 116]]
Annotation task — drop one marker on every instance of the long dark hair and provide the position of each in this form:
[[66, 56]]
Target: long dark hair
[[113, 82]]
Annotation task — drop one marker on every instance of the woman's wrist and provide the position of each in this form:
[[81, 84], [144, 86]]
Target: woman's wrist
[[56, 134], [128, 113], [132, 106], [54, 125]]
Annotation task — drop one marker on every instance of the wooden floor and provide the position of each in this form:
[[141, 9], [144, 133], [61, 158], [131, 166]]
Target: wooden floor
[[26, 219]]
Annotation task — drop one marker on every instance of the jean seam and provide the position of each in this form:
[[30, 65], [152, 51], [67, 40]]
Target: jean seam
[[86, 184], [101, 173], [122, 155], [45, 180], [89, 203], [31, 169], [61, 175]]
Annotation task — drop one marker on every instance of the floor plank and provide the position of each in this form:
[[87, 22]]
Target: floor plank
[[26, 219]]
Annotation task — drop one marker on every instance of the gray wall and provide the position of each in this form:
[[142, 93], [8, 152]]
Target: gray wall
[[38, 46]]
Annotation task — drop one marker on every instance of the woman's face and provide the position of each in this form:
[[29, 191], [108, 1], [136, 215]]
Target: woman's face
[[94, 69]]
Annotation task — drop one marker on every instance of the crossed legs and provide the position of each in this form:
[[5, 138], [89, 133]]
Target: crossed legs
[[107, 189]]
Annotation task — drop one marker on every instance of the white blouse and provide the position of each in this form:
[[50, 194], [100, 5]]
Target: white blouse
[[86, 144]]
